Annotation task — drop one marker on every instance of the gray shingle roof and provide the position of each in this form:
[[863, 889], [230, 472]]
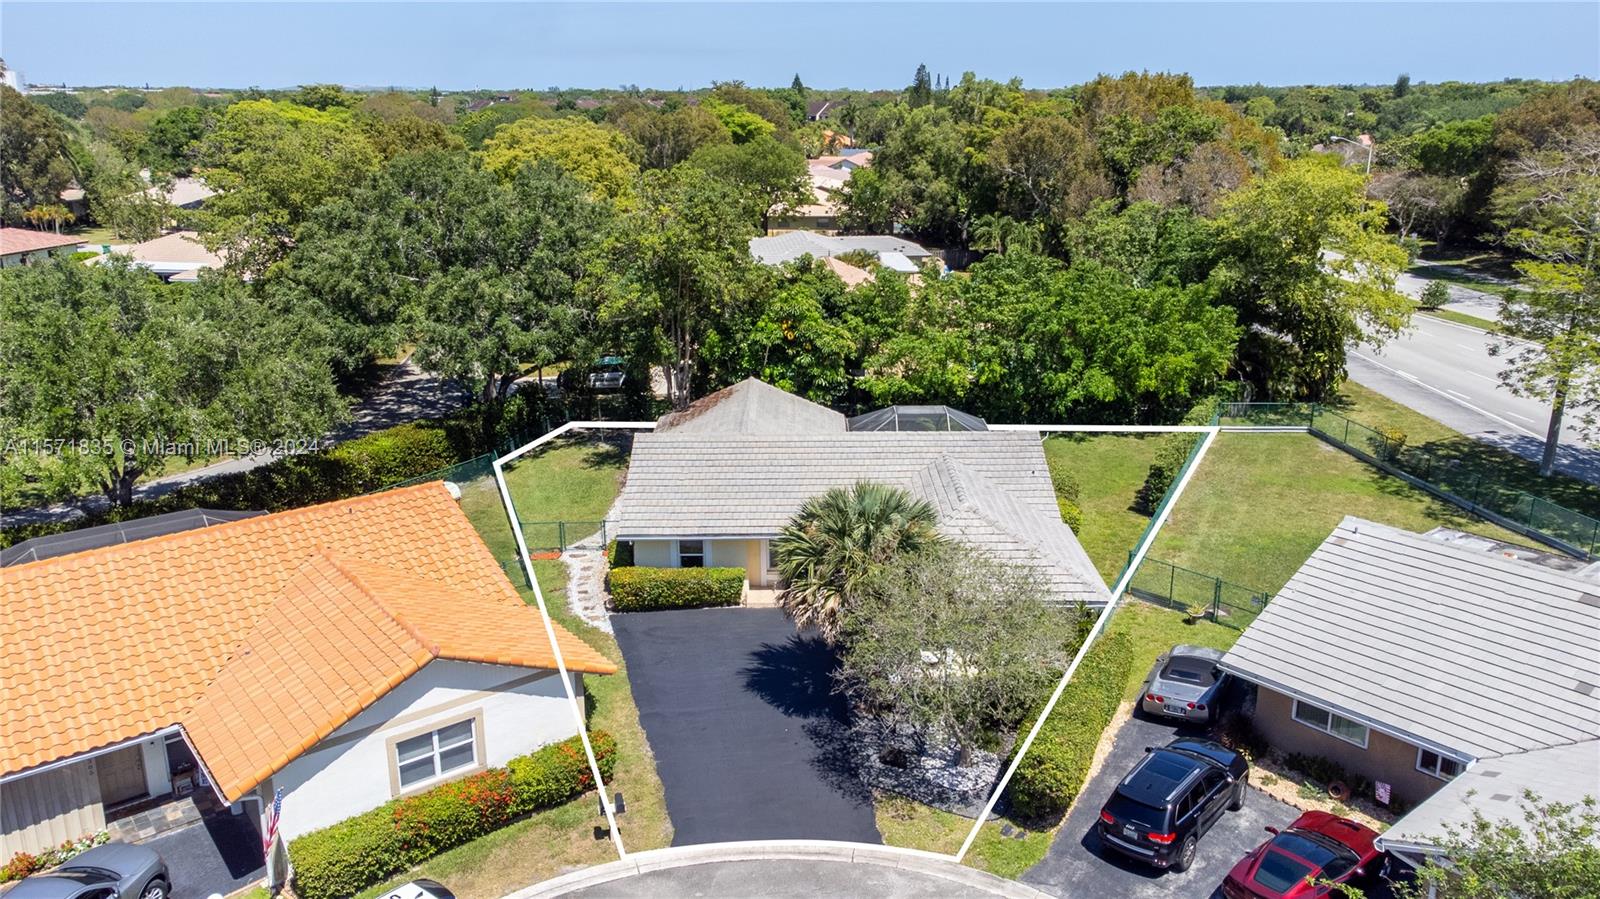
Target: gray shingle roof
[[781, 248], [1494, 787], [752, 407], [992, 489], [1467, 651]]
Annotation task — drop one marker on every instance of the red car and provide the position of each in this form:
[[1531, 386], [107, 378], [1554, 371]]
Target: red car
[[1317, 846]]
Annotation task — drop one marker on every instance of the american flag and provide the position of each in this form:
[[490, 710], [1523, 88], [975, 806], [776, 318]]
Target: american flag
[[272, 823]]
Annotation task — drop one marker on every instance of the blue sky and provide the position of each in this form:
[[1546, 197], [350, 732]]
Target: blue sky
[[850, 44]]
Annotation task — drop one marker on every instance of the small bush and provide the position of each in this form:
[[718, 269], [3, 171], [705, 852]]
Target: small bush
[[1325, 772], [358, 852], [653, 589], [1051, 774], [1070, 513], [1170, 456], [1435, 295], [24, 863], [1387, 444]]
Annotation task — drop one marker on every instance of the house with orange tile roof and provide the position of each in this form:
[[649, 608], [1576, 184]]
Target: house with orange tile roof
[[21, 246], [346, 653]]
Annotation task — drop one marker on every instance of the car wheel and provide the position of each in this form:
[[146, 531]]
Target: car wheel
[[1185, 855], [155, 889], [1238, 794]]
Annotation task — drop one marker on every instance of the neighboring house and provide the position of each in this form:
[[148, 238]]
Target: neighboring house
[[849, 274], [780, 248], [23, 246], [827, 174], [715, 484], [817, 110], [184, 193], [179, 256], [346, 653], [1419, 661]]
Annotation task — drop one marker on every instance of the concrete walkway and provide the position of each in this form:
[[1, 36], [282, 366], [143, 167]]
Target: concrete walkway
[[781, 869]]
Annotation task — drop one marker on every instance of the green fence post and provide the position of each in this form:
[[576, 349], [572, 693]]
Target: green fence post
[[1216, 599], [1172, 582], [1346, 440], [561, 535]]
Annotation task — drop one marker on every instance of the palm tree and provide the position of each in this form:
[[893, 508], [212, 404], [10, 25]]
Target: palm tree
[[839, 539]]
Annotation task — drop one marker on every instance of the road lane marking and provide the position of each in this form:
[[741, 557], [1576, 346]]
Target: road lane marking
[[1460, 394], [1481, 411]]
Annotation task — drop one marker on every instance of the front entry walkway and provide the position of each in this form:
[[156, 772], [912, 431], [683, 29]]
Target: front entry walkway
[[749, 739]]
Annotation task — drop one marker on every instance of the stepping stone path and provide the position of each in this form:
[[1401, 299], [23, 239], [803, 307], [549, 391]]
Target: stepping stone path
[[586, 579]]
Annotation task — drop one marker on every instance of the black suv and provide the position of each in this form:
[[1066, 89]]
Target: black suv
[[1173, 796]]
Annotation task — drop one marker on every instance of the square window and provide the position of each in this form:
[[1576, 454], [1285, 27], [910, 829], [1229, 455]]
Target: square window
[[1310, 714], [691, 553], [416, 772], [1346, 729], [425, 758]]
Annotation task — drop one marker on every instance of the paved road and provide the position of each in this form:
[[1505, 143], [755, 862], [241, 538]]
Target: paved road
[[747, 733], [1077, 866], [406, 394], [1444, 371], [791, 879]]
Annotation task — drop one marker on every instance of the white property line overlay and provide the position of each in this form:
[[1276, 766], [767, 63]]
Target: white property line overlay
[[544, 613], [1210, 432], [1088, 641]]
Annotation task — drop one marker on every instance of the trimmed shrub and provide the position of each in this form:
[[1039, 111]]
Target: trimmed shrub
[[653, 589], [1051, 774], [619, 554], [1170, 456], [1435, 295], [356, 853], [25, 863]]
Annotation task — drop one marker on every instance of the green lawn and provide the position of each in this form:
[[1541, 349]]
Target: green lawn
[[1110, 469], [572, 480], [912, 825], [1153, 630], [1261, 503], [1461, 318], [1468, 455]]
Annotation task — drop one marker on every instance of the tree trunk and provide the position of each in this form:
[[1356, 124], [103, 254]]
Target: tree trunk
[[964, 758], [1552, 437]]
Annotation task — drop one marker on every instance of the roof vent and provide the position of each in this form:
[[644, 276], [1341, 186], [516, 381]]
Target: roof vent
[[1589, 599], [1488, 773], [1501, 797], [1584, 687]]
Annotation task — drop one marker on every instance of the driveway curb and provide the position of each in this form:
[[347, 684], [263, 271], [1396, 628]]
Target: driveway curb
[[941, 866]]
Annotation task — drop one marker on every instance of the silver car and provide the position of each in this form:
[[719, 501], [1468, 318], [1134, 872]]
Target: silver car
[[112, 871], [1184, 684]]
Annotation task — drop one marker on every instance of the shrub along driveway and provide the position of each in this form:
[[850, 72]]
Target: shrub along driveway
[[747, 734]]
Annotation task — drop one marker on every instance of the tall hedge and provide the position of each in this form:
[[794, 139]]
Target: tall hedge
[[1053, 771], [356, 853], [653, 589]]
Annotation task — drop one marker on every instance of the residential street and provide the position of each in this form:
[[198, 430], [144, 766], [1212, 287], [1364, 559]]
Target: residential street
[[1077, 866], [1444, 371], [407, 394]]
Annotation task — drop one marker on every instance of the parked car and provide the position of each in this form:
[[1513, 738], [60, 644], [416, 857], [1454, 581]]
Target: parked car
[[1185, 684], [608, 373], [112, 871], [1159, 811], [420, 889], [1319, 846]]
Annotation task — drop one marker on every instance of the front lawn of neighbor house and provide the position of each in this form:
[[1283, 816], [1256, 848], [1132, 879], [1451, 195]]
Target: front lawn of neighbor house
[[574, 480], [1109, 469]]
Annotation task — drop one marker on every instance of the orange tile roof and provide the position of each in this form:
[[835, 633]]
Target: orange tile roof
[[107, 645]]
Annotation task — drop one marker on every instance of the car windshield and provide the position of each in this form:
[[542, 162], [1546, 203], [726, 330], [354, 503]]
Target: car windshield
[[1147, 817], [1190, 671], [1279, 872]]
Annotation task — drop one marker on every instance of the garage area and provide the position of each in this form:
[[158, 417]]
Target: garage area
[[748, 736]]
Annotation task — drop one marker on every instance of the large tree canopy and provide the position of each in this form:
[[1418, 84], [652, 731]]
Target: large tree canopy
[[35, 162], [601, 157], [129, 371]]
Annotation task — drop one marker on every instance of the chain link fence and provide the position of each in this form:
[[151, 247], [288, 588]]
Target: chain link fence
[[560, 536], [1200, 595]]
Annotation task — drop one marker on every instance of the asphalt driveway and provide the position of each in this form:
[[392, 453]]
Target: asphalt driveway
[[1076, 865], [747, 733], [218, 855]]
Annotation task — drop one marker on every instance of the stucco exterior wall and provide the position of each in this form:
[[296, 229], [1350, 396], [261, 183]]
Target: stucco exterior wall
[[653, 553], [1385, 759], [350, 771], [727, 553]]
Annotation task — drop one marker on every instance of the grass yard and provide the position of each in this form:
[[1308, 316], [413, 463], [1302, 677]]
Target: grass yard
[[1153, 630], [571, 480], [561, 839], [1110, 469], [1261, 503], [1462, 318], [912, 825], [1373, 409]]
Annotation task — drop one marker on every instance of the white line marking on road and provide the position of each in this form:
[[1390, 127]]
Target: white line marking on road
[[1468, 346], [1481, 411], [1523, 417], [1495, 381], [1460, 394]]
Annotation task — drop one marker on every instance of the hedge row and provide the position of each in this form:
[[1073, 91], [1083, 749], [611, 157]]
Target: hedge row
[[1051, 774], [346, 858], [1171, 454], [653, 589], [619, 554]]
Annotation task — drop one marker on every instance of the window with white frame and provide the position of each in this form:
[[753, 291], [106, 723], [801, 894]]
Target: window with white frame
[[435, 754], [1440, 766], [1329, 723], [691, 554]]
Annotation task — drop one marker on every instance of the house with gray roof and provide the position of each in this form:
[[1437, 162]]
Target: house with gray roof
[[789, 246], [1419, 661], [714, 485]]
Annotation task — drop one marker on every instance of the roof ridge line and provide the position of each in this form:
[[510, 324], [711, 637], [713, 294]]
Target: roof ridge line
[[405, 624]]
